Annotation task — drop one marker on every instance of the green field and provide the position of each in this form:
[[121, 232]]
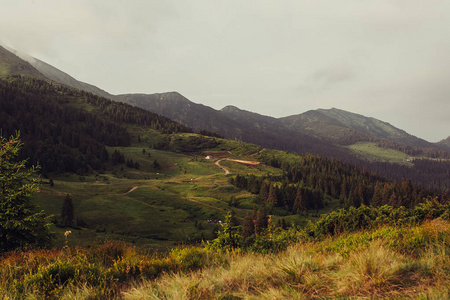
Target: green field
[[162, 206], [372, 152]]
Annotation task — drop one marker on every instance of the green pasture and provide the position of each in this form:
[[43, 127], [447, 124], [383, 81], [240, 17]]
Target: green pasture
[[152, 206], [372, 152]]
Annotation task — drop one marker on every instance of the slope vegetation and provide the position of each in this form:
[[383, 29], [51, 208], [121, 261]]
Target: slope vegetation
[[59, 76], [10, 64]]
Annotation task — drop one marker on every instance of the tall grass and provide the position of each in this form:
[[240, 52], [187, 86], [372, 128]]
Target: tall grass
[[390, 262], [374, 266]]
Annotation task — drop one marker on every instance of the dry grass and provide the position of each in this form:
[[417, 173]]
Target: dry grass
[[306, 271], [389, 263]]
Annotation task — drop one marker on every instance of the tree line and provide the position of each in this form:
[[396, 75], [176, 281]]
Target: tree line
[[309, 180], [64, 129]]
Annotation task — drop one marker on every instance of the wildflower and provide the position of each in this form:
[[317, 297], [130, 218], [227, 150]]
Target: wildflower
[[66, 234]]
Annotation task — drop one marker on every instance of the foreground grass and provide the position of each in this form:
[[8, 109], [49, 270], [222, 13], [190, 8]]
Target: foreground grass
[[385, 263]]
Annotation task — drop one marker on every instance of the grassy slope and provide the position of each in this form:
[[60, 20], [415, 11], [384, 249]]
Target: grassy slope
[[169, 205], [372, 152], [387, 263], [408, 262]]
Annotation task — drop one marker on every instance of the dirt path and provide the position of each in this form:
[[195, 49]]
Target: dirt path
[[226, 170], [245, 162], [132, 189], [261, 151]]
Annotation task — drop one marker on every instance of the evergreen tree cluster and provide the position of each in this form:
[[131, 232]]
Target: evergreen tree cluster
[[309, 179], [413, 151], [65, 129], [117, 158], [124, 113], [255, 223]]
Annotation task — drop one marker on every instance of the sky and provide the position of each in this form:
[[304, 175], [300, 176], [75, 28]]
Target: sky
[[387, 59]]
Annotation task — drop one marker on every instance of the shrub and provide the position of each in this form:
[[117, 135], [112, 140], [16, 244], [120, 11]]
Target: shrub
[[189, 258], [364, 218]]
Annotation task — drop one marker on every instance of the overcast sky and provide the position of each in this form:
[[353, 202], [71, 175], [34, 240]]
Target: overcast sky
[[388, 59]]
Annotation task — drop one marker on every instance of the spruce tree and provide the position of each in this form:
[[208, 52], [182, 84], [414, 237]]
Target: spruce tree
[[67, 212], [21, 226], [272, 197], [262, 220], [248, 228]]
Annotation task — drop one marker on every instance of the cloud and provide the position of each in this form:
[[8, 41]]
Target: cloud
[[324, 79], [386, 58]]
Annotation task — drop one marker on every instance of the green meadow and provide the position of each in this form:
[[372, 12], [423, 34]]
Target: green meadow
[[372, 152], [158, 207]]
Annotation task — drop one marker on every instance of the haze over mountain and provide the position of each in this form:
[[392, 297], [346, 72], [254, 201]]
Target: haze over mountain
[[345, 127], [322, 127], [321, 131], [59, 76], [333, 133], [233, 123], [11, 64]]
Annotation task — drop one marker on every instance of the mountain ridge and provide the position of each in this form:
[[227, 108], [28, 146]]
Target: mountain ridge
[[10, 64], [59, 76], [345, 127], [326, 128]]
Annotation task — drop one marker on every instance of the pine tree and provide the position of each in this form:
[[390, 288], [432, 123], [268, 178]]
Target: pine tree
[[264, 190], [261, 220], [377, 198], [21, 226], [248, 228], [272, 197], [67, 212], [299, 202], [156, 164]]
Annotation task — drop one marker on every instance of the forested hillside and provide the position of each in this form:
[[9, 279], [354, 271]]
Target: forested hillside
[[308, 182], [67, 130]]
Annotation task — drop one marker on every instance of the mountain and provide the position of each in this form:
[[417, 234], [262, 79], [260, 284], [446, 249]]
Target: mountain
[[233, 123], [319, 130], [59, 76], [346, 128], [11, 64], [322, 131], [445, 143], [65, 129], [178, 108], [356, 139]]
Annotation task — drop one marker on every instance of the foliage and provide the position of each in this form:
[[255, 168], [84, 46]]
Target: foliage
[[193, 144], [308, 180], [66, 130], [390, 262], [366, 218], [259, 234], [67, 212], [103, 268], [229, 238], [21, 226]]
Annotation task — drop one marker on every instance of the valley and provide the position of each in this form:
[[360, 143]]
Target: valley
[[156, 195], [153, 207]]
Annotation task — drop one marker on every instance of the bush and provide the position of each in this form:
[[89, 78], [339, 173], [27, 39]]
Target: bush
[[364, 218]]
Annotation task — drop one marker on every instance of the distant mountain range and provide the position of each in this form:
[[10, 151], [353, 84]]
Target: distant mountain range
[[445, 143], [322, 131]]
